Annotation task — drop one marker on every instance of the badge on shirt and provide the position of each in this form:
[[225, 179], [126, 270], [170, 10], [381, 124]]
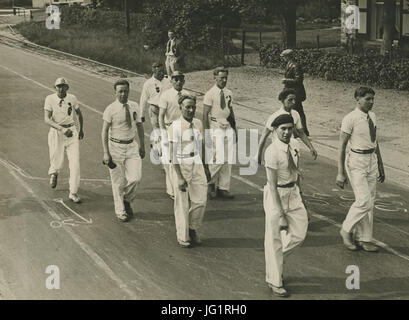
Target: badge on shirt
[[69, 111], [134, 116]]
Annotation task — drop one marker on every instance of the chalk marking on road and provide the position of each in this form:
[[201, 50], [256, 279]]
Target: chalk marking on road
[[85, 247], [244, 180], [60, 200]]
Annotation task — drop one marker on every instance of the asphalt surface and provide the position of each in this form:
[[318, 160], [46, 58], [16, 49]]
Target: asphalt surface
[[101, 258]]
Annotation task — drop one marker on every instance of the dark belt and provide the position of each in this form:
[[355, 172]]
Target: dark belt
[[368, 151], [186, 155], [67, 125], [288, 185], [121, 141], [213, 119]]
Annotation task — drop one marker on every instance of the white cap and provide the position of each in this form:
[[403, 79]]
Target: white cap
[[60, 81]]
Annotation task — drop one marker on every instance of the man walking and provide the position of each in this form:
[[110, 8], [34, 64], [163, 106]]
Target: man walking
[[60, 112], [174, 54], [294, 78], [286, 216], [122, 153], [169, 111], [190, 173], [218, 115], [361, 164]]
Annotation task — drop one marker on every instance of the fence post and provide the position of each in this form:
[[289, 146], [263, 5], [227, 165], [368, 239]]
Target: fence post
[[243, 42], [318, 41], [222, 44]]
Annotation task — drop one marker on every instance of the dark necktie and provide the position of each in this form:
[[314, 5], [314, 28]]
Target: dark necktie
[[222, 100], [127, 115], [372, 129], [291, 164], [168, 46]]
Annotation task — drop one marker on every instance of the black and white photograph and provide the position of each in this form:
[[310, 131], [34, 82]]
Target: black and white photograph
[[203, 154]]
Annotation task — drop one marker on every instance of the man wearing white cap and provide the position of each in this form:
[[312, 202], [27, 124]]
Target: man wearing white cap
[[60, 112]]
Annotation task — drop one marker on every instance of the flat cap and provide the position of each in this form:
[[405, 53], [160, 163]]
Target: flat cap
[[60, 81], [287, 52], [177, 74]]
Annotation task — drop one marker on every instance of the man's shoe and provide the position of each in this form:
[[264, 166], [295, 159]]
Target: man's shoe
[[128, 208], [368, 246], [194, 237], [184, 244], [279, 291], [53, 180], [224, 194], [74, 198], [346, 237], [211, 190], [123, 217]]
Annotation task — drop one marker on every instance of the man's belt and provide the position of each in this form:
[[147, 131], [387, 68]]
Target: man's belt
[[121, 141], [186, 155], [213, 119], [368, 151], [67, 125], [288, 185]]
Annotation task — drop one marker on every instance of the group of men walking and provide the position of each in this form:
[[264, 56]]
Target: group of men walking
[[192, 176]]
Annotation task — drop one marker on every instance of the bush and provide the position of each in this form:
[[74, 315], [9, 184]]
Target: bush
[[368, 68]]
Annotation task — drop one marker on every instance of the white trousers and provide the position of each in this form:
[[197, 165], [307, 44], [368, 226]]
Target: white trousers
[[362, 173], [171, 63], [125, 178], [57, 144], [279, 244], [189, 216]]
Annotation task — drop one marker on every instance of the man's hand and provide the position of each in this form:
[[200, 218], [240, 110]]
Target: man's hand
[[314, 153], [182, 184], [381, 170], [283, 223], [341, 180], [106, 158], [68, 133], [207, 173], [81, 135], [142, 152]]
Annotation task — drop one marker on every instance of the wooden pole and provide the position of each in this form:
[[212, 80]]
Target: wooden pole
[[318, 41], [127, 17], [243, 42]]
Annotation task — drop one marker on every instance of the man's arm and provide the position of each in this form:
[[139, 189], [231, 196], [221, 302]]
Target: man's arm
[[162, 112], [81, 121], [341, 176], [307, 142], [206, 112], [381, 170], [104, 135], [182, 184], [143, 102], [48, 120], [261, 144], [141, 136], [272, 183]]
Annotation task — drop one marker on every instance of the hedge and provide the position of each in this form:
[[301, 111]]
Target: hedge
[[367, 68]]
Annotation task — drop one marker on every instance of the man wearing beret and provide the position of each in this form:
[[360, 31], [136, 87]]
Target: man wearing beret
[[61, 110], [294, 78], [286, 215]]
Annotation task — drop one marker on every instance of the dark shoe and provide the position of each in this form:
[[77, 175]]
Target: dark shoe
[[279, 291], [224, 194], [74, 198], [211, 190], [368, 246], [184, 244], [194, 237], [346, 237], [123, 217], [53, 180], [128, 208]]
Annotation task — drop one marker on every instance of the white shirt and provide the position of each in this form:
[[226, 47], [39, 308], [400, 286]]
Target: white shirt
[[212, 99], [276, 158], [62, 109], [151, 92], [356, 124], [115, 114], [187, 138], [169, 101]]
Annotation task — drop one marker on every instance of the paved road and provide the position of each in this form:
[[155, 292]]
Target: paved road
[[100, 258]]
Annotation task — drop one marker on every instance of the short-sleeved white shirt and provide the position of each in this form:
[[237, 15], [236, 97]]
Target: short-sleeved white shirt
[[115, 114], [356, 124], [186, 138], [212, 99], [169, 101], [152, 90], [60, 108], [276, 158]]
